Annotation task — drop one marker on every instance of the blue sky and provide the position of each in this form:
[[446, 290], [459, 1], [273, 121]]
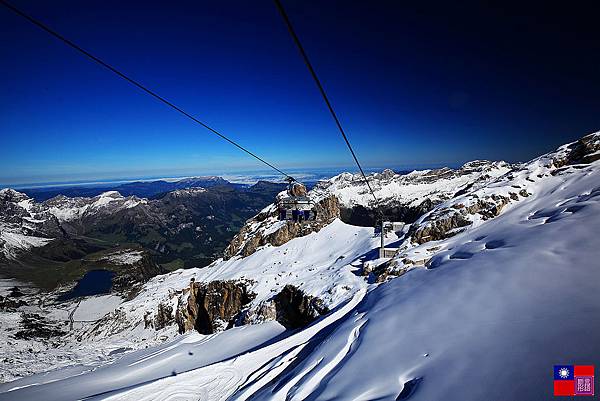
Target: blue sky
[[411, 86]]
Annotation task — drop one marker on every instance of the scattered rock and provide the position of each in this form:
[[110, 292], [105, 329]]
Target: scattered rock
[[35, 326], [8, 304]]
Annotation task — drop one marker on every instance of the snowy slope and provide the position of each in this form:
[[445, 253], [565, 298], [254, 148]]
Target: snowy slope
[[322, 264], [14, 242], [467, 330], [481, 313], [23, 224], [485, 323]]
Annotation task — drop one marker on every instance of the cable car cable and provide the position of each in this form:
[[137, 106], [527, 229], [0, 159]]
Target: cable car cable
[[140, 86], [322, 90]]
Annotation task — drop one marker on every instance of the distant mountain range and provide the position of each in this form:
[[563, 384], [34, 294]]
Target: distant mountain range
[[141, 189], [55, 241]]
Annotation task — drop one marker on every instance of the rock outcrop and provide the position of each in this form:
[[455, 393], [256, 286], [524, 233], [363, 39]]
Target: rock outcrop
[[266, 229], [163, 317], [583, 151], [446, 222], [133, 274], [9, 304], [212, 306], [294, 309], [220, 305], [35, 326], [393, 211]]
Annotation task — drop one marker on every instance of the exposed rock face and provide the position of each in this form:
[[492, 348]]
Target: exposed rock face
[[220, 305], [163, 317], [129, 279], [295, 309], [20, 214], [297, 189], [265, 312], [213, 306], [367, 217], [584, 151], [265, 229], [446, 222]]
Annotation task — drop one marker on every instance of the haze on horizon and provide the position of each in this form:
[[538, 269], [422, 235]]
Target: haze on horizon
[[413, 85]]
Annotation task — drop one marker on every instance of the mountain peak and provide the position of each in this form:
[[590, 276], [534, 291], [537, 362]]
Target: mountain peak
[[9, 194]]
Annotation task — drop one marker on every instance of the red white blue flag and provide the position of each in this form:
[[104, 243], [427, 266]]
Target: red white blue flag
[[570, 380]]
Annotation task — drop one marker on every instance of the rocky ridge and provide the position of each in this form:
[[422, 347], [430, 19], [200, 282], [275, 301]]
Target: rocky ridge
[[424, 238], [266, 229]]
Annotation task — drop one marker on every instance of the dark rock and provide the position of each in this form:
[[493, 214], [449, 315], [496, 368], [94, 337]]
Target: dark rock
[[164, 316], [15, 292], [35, 326], [129, 278], [368, 217], [446, 222], [295, 309], [439, 228], [583, 151], [212, 306], [7, 304]]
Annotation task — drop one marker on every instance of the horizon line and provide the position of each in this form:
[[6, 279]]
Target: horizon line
[[236, 177]]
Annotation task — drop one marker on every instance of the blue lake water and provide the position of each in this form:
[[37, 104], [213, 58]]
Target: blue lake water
[[93, 283]]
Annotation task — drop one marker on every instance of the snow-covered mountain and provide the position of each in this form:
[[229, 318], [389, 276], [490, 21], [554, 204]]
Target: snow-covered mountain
[[411, 189], [183, 228], [68, 209], [489, 287], [36, 224], [24, 224]]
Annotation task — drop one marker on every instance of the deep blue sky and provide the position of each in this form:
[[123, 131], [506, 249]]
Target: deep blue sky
[[431, 84]]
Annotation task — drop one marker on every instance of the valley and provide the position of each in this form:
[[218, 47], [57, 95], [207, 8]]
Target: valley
[[55, 242]]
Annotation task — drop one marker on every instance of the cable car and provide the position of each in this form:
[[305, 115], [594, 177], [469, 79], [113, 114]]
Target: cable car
[[294, 204]]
